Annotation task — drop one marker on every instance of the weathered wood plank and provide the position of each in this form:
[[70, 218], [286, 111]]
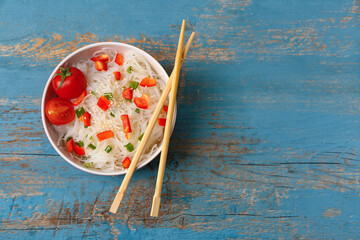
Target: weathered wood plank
[[266, 143]]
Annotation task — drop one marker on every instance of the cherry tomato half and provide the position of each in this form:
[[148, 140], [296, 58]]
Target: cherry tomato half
[[59, 111], [73, 85]]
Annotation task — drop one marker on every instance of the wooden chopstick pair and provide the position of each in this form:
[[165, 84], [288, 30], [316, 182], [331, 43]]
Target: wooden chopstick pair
[[172, 84]]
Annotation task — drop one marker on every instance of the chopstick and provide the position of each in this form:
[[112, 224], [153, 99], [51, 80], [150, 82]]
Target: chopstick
[[120, 194], [167, 133]]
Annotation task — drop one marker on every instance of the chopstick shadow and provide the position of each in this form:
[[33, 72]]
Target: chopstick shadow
[[199, 104]]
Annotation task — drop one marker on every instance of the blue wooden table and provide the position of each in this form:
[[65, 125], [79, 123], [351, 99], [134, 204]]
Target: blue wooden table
[[267, 138]]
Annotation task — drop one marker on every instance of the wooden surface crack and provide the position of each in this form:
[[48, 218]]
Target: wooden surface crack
[[58, 218]]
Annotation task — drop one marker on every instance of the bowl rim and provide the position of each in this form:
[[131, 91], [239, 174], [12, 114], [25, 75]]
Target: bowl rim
[[153, 62]]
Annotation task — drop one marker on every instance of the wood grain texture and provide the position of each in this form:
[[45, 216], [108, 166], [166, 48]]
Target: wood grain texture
[[266, 143]]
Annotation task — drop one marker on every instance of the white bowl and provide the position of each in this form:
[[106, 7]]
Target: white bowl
[[86, 53]]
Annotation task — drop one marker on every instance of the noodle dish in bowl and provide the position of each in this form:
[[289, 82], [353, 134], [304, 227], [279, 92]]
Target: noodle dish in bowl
[[97, 103]]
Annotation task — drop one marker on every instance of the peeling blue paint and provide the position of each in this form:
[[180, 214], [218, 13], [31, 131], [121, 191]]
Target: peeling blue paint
[[266, 143]]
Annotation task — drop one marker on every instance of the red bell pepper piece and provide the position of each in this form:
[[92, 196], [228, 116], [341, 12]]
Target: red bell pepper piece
[[128, 93], [101, 66], [148, 82], [79, 150], [165, 108], [162, 121], [85, 118], [126, 123], [105, 135], [143, 101], [126, 163], [80, 98], [70, 145], [127, 136], [102, 58], [119, 59], [117, 75], [104, 103]]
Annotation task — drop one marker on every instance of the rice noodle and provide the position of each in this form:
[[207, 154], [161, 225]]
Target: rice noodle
[[102, 82]]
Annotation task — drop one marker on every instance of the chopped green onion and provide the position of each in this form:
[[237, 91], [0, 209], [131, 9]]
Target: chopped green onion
[[140, 137], [111, 114], [88, 164], [90, 138], [129, 100], [137, 110], [129, 147], [68, 139], [129, 70], [133, 84], [92, 92], [85, 126], [80, 143], [108, 149], [92, 146], [108, 95], [79, 112]]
